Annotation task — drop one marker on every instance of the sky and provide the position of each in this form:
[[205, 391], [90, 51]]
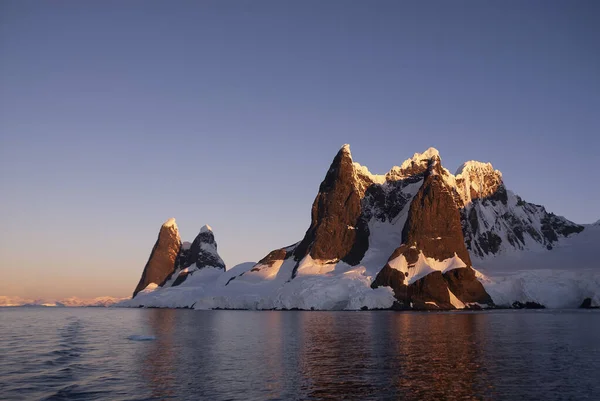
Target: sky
[[115, 116]]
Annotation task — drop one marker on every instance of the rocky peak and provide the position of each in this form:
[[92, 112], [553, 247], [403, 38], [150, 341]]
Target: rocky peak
[[477, 180], [202, 252], [433, 223], [207, 236], [433, 231], [335, 212], [414, 166], [161, 262]]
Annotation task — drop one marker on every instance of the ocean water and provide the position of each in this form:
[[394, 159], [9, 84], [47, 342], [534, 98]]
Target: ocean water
[[157, 354]]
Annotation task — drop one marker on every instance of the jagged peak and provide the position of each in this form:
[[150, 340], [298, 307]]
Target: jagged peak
[[417, 158], [346, 149], [170, 223], [474, 165], [206, 228], [475, 179]]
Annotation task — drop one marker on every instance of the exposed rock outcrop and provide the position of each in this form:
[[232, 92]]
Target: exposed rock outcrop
[[201, 253], [587, 304], [161, 263], [527, 305], [332, 234], [432, 235], [198, 255]]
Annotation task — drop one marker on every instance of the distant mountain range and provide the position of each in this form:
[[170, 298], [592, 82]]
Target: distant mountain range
[[408, 239], [70, 302]]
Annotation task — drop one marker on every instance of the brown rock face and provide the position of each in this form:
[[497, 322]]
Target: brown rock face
[[431, 288], [465, 286], [433, 223], [335, 213], [389, 277], [433, 227], [274, 256], [161, 263]]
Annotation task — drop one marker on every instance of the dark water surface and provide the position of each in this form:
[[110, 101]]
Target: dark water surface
[[89, 353]]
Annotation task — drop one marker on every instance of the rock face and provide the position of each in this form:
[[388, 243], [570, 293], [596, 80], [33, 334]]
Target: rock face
[[201, 253], [432, 235], [495, 220], [172, 262], [198, 255], [332, 234], [433, 224], [161, 263]]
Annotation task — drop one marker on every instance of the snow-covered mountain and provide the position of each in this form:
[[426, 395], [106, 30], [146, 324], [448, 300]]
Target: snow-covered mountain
[[404, 239], [496, 220], [71, 301], [171, 260]]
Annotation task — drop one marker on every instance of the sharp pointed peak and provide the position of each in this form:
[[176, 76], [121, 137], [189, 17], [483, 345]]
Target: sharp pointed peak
[[206, 229], [345, 151], [170, 223]]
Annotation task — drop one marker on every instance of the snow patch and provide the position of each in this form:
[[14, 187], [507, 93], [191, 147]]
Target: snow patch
[[418, 158], [425, 266], [170, 223], [455, 301]]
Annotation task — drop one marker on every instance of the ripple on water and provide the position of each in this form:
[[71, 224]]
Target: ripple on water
[[89, 354]]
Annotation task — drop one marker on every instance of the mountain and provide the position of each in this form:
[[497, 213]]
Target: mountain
[[495, 220], [161, 263], [71, 302], [407, 239], [170, 261]]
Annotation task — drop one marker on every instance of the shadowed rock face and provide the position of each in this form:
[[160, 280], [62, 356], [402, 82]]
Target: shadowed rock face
[[395, 279], [161, 263], [335, 213], [431, 288], [202, 252], [465, 286]]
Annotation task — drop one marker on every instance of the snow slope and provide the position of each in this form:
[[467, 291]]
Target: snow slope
[[210, 288], [559, 278]]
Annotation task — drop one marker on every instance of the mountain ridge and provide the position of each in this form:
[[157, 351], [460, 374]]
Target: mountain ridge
[[405, 237]]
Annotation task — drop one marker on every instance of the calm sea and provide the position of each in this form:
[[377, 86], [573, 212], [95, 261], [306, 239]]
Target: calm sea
[[142, 354]]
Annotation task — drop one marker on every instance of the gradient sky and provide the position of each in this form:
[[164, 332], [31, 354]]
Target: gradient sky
[[116, 115]]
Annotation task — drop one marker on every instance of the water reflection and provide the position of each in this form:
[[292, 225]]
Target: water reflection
[[240, 355], [438, 356], [247, 355], [159, 357], [336, 355], [392, 356]]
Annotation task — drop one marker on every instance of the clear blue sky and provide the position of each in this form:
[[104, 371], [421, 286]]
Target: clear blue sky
[[116, 115]]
